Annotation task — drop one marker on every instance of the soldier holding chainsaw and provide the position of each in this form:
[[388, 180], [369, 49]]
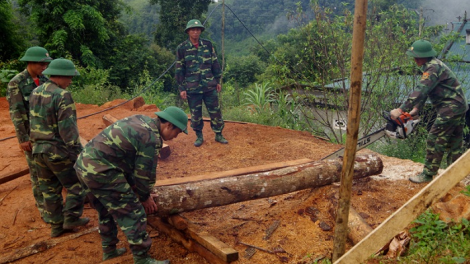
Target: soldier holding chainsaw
[[440, 85]]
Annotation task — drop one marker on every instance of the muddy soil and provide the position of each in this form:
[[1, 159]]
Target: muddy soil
[[305, 230]]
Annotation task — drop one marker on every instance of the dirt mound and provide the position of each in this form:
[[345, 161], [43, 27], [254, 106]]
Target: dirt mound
[[304, 219]]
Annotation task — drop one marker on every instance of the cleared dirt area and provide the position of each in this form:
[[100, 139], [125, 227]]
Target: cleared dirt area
[[305, 223]]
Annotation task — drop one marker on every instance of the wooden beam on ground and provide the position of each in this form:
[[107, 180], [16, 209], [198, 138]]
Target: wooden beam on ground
[[164, 152], [399, 220], [354, 116], [42, 246], [219, 248], [188, 243], [201, 194]]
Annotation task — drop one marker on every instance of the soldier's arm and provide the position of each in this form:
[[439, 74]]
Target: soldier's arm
[[216, 69], [418, 97], [67, 123], [18, 111], [145, 169], [180, 69]]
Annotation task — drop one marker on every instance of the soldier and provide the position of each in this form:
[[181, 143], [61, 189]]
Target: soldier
[[56, 145], [438, 83], [19, 90], [198, 76], [118, 167]]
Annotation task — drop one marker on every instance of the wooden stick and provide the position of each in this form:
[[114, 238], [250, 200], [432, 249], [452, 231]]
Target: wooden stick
[[1, 201], [399, 220], [262, 249], [354, 116], [42, 246]]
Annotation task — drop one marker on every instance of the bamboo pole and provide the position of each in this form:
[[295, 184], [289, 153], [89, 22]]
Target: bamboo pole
[[357, 53]]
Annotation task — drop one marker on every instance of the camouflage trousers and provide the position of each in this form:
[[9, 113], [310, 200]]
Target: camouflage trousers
[[33, 173], [115, 201], [445, 136], [211, 100], [53, 176]]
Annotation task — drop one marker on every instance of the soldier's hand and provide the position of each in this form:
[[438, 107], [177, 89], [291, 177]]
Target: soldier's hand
[[219, 88], [395, 113], [26, 146], [150, 206], [414, 112], [183, 95]]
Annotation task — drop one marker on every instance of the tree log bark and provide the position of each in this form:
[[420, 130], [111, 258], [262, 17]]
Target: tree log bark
[[223, 191]]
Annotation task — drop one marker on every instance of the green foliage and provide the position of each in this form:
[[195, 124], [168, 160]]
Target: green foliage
[[11, 42], [174, 16], [433, 241], [5, 77], [259, 98], [93, 87], [243, 70]]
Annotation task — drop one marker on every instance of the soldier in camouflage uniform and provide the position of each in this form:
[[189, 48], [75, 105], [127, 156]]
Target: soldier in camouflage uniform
[[118, 167], [439, 84], [56, 145], [18, 92], [198, 76]]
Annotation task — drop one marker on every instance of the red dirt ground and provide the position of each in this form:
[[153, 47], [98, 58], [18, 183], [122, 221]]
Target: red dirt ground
[[301, 214]]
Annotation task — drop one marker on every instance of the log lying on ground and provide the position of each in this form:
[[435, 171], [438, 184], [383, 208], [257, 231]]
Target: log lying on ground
[[201, 194], [164, 152]]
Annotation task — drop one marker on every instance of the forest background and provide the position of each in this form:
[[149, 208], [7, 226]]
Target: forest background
[[280, 57]]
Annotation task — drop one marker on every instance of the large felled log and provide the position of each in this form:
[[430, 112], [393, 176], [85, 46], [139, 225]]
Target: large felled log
[[164, 152], [222, 191]]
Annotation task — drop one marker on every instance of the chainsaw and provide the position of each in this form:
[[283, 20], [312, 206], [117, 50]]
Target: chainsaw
[[396, 129]]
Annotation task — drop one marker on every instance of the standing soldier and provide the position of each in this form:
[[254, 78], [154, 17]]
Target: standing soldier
[[56, 145], [118, 167], [19, 90], [438, 83], [198, 76]]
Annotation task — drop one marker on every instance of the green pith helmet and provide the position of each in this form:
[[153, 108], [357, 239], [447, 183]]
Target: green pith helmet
[[36, 54], [176, 116], [421, 49], [194, 23], [61, 67]]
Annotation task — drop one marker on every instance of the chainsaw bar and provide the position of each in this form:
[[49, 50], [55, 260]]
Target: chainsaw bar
[[361, 143]]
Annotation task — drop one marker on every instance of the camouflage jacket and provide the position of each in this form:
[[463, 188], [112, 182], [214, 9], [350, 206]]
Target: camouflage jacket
[[129, 146], [197, 70], [53, 122], [19, 90], [440, 84]]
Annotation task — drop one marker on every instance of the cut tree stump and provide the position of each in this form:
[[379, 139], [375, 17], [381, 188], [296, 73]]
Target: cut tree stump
[[164, 152], [193, 195]]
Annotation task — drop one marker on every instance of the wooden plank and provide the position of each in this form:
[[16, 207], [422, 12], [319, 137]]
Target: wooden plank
[[219, 248], [408, 212], [235, 172], [180, 238], [13, 175]]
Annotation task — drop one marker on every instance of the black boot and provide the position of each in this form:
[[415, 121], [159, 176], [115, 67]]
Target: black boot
[[199, 140]]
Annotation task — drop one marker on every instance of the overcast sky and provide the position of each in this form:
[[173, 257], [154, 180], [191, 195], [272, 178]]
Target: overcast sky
[[442, 12]]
